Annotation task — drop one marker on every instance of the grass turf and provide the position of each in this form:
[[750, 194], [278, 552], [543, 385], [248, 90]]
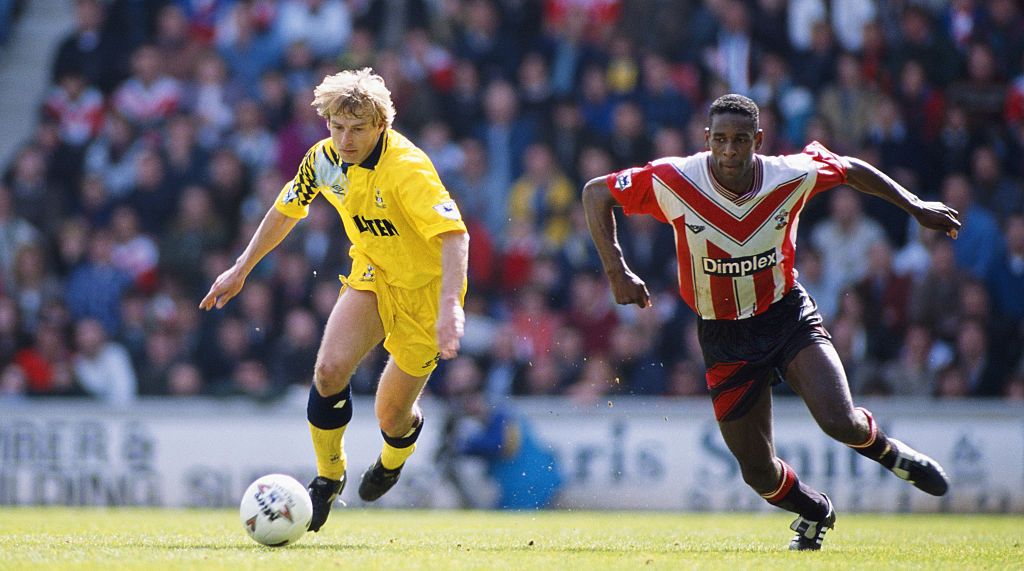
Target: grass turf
[[70, 538]]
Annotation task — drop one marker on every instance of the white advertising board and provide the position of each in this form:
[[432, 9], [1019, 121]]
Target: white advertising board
[[650, 454]]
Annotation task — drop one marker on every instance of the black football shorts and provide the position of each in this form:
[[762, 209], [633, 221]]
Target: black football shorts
[[744, 356]]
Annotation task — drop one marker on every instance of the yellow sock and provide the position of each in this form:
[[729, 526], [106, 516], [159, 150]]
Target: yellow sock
[[329, 446], [392, 457]]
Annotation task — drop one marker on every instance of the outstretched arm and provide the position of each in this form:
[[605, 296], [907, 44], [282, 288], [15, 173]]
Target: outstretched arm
[[451, 318], [597, 205], [933, 215], [274, 227]]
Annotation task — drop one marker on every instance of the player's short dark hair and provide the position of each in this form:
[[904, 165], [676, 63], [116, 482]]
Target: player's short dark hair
[[736, 104]]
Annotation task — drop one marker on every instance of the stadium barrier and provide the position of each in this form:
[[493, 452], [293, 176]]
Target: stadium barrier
[[623, 453]]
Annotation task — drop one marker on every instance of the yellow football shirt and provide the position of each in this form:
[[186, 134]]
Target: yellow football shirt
[[393, 205]]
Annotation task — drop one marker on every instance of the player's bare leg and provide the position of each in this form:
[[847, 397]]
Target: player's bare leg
[[401, 422], [817, 375], [749, 438], [353, 328]]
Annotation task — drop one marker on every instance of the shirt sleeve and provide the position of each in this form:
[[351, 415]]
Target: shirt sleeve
[[296, 195], [831, 168], [427, 202], [633, 190]]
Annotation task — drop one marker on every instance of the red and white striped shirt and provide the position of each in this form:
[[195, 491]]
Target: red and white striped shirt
[[736, 252]]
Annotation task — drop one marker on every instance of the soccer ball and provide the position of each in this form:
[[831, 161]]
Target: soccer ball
[[276, 510]]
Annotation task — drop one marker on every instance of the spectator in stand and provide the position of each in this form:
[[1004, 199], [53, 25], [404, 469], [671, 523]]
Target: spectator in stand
[[247, 45], [294, 352], [134, 252], [33, 197], [77, 107], [149, 96], [303, 130], [15, 233], [163, 351], [982, 372], [937, 292], [848, 102], [981, 94], [230, 344], [229, 185], [92, 48], [324, 25], [11, 336], [629, 142], [251, 140], [152, 197], [660, 99], [506, 136], [95, 204], [597, 379], [993, 188], [915, 370], [185, 160], [448, 157], [210, 99], [184, 380], [1005, 277], [920, 103], [542, 197], [844, 237], [952, 383], [918, 40], [274, 99], [112, 155], [194, 230], [47, 363], [290, 280], [854, 343], [889, 137], [464, 103], [775, 89], [592, 312], [536, 94], [103, 367], [812, 276], [888, 296], [95, 287], [638, 369], [178, 47], [33, 285], [979, 244], [816, 65]]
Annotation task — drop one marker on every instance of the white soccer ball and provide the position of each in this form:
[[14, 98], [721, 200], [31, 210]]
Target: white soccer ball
[[276, 510]]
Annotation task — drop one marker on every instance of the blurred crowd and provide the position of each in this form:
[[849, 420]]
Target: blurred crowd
[[171, 125]]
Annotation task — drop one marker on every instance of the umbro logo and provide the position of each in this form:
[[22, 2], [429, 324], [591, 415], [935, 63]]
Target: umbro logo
[[696, 228], [341, 403]]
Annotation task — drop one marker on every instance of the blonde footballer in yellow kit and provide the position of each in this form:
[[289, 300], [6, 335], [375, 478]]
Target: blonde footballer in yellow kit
[[406, 287]]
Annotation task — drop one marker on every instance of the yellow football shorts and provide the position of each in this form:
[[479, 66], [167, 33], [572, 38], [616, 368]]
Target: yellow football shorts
[[409, 317]]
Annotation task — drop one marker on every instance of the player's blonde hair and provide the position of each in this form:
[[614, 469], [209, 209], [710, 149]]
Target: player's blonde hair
[[356, 93]]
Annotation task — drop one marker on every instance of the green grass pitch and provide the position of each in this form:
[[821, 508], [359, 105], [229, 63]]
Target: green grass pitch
[[71, 538]]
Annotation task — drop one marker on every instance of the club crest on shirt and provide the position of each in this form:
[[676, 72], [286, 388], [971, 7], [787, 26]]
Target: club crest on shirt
[[624, 180], [448, 209], [378, 200], [781, 219], [368, 275]]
